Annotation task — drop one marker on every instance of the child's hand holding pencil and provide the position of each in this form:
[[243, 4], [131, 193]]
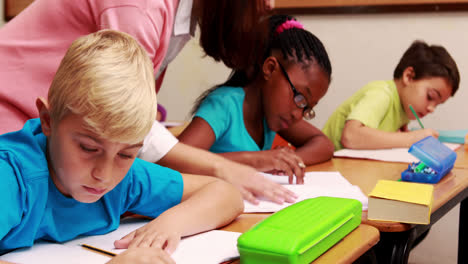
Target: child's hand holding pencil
[[423, 132]]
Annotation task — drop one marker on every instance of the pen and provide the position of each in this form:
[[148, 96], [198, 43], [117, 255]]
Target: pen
[[416, 115]]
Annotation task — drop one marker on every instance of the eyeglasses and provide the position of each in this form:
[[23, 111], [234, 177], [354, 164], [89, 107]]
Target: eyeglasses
[[299, 99]]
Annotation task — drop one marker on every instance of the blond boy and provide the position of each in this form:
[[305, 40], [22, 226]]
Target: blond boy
[[73, 171]]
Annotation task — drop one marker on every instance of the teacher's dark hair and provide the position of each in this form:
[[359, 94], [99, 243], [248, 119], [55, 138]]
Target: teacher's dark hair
[[230, 31]]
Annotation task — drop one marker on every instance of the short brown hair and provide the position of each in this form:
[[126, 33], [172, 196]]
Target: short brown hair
[[429, 61]]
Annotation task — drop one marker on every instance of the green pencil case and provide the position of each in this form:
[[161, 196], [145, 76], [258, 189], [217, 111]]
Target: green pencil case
[[301, 232]]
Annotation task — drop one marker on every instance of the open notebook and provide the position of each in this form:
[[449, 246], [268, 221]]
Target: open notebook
[[316, 184], [210, 247], [391, 155]]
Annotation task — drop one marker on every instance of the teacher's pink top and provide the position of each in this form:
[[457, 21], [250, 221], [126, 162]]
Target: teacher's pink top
[[33, 44]]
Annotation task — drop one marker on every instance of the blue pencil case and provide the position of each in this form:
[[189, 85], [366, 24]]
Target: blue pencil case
[[437, 160]]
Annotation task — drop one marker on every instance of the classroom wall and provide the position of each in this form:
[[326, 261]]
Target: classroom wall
[[2, 16], [362, 48]]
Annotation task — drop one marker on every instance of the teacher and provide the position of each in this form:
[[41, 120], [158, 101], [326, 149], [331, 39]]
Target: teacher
[[33, 44]]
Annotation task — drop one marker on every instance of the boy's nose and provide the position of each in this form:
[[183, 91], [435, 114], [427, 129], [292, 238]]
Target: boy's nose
[[102, 171], [431, 108]]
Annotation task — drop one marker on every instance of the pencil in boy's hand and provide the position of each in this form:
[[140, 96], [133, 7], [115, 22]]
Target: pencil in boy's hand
[[416, 115], [101, 251]]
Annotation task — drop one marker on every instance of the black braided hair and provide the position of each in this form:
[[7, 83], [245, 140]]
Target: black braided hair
[[297, 46]]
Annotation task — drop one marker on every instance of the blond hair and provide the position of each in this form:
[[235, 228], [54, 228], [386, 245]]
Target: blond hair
[[106, 77]]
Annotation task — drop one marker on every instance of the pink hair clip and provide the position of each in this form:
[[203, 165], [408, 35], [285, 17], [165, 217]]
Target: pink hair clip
[[288, 25]]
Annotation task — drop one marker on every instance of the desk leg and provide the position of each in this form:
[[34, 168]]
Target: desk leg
[[463, 233], [367, 258], [394, 247]]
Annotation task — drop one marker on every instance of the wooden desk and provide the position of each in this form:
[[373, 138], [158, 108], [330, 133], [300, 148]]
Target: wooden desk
[[462, 158], [396, 239], [349, 249], [177, 130]]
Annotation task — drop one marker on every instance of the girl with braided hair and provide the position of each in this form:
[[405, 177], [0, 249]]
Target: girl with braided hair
[[240, 118]]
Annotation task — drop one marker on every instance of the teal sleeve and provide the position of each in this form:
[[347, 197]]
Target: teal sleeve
[[213, 110], [10, 197], [371, 108], [152, 188]]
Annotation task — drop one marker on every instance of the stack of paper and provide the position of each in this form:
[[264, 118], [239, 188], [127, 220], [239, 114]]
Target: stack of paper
[[211, 247], [52, 253], [316, 184]]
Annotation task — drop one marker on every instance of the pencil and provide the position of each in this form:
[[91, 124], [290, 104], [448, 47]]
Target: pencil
[[416, 115], [110, 254]]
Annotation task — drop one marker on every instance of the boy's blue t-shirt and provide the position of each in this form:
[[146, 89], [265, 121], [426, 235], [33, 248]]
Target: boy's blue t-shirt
[[222, 110], [33, 208]]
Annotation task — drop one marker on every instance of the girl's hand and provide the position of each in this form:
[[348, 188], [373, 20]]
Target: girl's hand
[[155, 234], [142, 256], [282, 161], [252, 185]]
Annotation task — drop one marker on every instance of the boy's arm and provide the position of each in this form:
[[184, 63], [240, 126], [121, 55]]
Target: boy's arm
[[207, 203], [358, 136]]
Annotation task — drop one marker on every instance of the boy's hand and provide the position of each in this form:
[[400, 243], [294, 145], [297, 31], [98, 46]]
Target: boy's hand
[[155, 234], [142, 256], [283, 161], [423, 133]]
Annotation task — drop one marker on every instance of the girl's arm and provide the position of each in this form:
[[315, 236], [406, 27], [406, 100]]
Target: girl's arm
[[279, 161], [193, 157], [358, 136], [207, 203], [311, 144]]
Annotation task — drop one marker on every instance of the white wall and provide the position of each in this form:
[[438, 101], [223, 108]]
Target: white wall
[[2, 15], [362, 48]]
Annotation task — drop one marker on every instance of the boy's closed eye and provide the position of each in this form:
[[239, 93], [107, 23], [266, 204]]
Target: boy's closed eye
[[88, 148], [125, 156], [433, 95]]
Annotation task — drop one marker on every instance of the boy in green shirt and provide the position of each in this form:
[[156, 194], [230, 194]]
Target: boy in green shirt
[[377, 116]]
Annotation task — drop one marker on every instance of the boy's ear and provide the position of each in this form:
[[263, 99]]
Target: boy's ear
[[408, 75], [44, 115], [268, 67]]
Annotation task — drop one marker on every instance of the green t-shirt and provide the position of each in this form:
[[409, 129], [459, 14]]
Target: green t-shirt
[[376, 105]]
